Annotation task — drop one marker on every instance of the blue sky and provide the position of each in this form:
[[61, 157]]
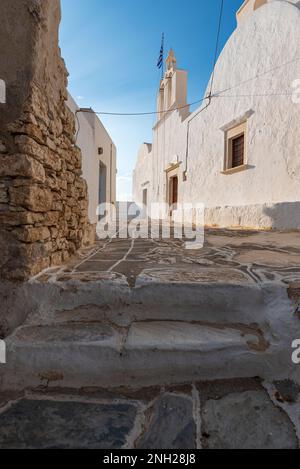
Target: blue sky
[[111, 50]]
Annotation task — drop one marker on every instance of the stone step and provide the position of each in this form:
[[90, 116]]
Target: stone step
[[79, 354], [212, 295], [173, 326]]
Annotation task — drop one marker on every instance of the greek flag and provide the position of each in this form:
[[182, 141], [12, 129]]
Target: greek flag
[[161, 54]]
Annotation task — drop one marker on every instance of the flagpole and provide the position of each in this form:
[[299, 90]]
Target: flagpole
[[163, 64], [160, 63]]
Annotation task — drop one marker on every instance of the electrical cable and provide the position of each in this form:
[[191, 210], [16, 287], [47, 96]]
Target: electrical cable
[[209, 97], [261, 95], [217, 46], [215, 95], [85, 110], [259, 75], [78, 125]]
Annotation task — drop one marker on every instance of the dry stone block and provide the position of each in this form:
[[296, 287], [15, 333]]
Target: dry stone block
[[27, 145], [18, 128], [2, 147], [3, 194], [51, 218], [34, 198], [32, 234], [20, 218], [27, 261], [56, 258], [23, 166]]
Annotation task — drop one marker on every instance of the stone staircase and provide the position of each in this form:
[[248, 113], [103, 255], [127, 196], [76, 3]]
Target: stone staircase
[[174, 326]]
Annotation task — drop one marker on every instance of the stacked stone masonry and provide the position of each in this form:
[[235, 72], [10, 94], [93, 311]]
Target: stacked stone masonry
[[43, 197]]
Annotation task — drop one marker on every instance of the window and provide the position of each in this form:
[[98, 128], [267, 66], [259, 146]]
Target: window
[[238, 151], [174, 190], [236, 148], [145, 197]]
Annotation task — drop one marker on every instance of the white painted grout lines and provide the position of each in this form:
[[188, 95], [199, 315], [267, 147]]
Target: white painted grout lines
[[95, 252], [123, 258], [89, 257], [197, 415]]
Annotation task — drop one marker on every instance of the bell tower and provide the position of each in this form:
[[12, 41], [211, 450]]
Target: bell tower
[[247, 8], [173, 88], [171, 61]]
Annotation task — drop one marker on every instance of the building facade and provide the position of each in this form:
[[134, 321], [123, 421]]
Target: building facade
[[238, 153], [99, 159]]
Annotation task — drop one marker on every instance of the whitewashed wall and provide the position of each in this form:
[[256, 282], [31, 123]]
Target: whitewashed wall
[[268, 194], [92, 135], [142, 175]]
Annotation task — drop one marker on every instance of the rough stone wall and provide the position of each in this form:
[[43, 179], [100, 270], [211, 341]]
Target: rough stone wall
[[43, 198]]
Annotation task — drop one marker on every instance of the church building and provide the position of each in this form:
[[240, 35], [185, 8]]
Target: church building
[[238, 153]]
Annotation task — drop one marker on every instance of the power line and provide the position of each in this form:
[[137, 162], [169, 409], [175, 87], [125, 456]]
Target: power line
[[215, 95], [217, 46], [151, 113], [129, 114], [259, 75], [78, 125], [209, 97], [261, 95], [219, 95]]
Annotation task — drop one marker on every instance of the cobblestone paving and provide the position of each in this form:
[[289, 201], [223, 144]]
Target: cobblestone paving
[[223, 414], [258, 256], [243, 413]]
